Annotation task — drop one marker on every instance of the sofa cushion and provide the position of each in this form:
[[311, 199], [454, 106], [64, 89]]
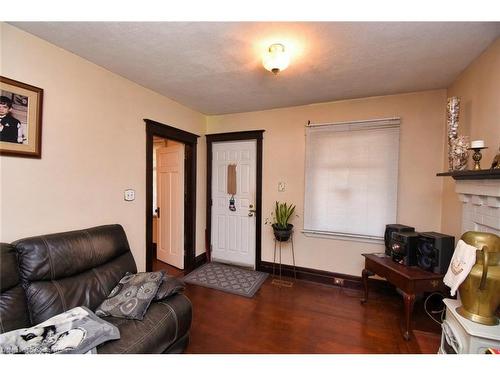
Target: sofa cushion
[[131, 297], [59, 255], [78, 268], [13, 308], [164, 323]]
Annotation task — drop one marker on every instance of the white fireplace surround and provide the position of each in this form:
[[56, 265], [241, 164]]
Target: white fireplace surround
[[481, 205]]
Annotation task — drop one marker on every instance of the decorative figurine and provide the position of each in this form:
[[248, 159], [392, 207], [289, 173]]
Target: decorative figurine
[[496, 161]]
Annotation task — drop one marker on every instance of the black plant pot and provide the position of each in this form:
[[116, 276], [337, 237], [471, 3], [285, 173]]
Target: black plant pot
[[282, 235]]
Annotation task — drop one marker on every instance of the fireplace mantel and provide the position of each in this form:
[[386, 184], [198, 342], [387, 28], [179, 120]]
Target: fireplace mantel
[[483, 174], [479, 192]]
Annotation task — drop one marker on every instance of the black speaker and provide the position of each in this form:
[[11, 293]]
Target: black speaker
[[391, 228], [434, 251], [404, 247]]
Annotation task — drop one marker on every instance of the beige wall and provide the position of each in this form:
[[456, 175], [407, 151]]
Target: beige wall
[[479, 90], [93, 146], [421, 149]]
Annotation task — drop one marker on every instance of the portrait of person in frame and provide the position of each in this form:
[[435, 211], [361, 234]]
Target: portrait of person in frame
[[20, 118]]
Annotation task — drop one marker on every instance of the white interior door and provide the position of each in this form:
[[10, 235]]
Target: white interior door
[[233, 232], [170, 198]]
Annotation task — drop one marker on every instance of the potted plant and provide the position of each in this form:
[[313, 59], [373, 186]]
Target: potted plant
[[280, 221]]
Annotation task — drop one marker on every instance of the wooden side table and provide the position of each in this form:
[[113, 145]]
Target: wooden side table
[[410, 280]]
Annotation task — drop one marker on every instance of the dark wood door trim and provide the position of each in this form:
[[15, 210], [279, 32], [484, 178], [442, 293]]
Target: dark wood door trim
[[190, 140], [228, 137]]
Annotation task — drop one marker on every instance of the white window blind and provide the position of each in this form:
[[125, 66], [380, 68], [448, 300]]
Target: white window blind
[[351, 174]]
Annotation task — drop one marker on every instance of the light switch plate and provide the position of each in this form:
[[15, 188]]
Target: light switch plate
[[129, 195], [281, 187]]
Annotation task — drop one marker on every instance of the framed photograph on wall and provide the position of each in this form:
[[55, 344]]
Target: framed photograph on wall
[[20, 119]]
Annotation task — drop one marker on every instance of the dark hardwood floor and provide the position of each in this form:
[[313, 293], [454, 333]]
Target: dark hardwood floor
[[306, 318], [171, 270]]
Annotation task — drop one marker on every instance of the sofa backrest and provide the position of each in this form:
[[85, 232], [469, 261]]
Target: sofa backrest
[[78, 268], [13, 308]]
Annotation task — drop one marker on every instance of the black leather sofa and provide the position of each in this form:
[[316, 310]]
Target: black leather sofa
[[46, 275]]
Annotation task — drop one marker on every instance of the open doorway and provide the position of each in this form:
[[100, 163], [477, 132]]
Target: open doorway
[[170, 198]]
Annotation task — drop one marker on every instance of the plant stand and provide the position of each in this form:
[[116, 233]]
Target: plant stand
[[280, 282]]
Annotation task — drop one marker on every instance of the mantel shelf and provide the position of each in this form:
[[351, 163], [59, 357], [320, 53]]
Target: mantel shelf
[[483, 174]]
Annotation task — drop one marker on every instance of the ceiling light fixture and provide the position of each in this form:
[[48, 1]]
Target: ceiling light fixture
[[276, 58]]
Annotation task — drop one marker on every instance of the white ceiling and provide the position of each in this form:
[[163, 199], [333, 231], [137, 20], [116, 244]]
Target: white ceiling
[[215, 67]]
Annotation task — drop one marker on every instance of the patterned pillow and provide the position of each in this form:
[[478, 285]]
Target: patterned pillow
[[132, 296], [170, 286]]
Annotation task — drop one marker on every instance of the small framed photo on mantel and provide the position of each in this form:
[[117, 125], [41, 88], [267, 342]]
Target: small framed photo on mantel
[[20, 119]]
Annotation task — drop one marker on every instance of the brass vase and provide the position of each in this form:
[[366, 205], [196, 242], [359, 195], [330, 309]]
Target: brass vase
[[480, 291]]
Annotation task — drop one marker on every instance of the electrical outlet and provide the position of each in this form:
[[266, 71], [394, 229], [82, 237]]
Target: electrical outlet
[[338, 281]]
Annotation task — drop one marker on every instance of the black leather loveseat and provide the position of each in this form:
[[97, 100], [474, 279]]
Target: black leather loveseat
[[46, 275]]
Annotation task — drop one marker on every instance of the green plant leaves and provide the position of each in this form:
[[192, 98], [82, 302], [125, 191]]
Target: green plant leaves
[[282, 214]]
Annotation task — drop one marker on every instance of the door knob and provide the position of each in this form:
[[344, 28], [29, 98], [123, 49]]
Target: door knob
[[251, 210]]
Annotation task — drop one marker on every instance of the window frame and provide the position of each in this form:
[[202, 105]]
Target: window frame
[[393, 122]]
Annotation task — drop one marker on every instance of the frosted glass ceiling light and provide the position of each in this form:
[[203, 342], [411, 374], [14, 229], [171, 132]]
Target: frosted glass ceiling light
[[276, 59]]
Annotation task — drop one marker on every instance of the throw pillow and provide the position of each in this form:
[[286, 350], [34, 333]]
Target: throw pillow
[[169, 286], [132, 296], [75, 331]]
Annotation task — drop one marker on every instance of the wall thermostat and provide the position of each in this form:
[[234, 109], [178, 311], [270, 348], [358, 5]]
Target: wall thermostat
[[129, 195]]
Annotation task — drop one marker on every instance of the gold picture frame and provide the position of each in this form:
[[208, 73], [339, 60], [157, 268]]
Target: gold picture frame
[[20, 119]]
